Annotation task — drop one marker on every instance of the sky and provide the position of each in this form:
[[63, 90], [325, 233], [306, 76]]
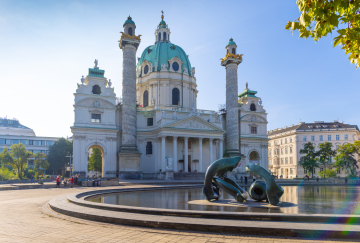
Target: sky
[[47, 45]]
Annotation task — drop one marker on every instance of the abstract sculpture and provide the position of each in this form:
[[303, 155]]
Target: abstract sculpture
[[215, 179]]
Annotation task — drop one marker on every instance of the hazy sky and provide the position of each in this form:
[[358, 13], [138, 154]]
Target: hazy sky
[[46, 46]]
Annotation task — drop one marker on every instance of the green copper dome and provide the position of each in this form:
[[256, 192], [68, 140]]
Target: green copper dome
[[161, 53], [129, 21], [162, 24], [231, 42]]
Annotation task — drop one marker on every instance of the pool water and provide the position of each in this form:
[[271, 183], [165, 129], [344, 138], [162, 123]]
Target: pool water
[[304, 200]]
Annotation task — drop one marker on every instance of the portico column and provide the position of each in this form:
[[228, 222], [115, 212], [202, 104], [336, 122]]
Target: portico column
[[186, 152], [221, 148], [200, 154], [175, 153], [211, 150], [163, 153]]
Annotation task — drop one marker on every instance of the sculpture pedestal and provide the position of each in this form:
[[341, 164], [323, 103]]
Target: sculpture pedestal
[[169, 175], [129, 165]]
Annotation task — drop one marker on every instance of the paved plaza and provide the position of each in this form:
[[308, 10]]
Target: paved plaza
[[26, 217]]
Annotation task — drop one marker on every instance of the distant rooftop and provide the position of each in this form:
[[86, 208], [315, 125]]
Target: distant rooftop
[[317, 125], [13, 127]]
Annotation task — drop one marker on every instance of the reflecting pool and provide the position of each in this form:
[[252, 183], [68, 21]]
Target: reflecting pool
[[305, 200]]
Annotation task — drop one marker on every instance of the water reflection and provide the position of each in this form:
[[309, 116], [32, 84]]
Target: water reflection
[[309, 200]]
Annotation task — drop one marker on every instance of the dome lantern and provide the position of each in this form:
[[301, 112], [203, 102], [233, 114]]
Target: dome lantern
[[162, 33], [129, 26], [231, 46]]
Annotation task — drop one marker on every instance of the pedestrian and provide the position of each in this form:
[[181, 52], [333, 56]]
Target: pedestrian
[[346, 180], [32, 178], [241, 179], [245, 180], [65, 182], [317, 179], [58, 182], [254, 178], [76, 180], [72, 182]]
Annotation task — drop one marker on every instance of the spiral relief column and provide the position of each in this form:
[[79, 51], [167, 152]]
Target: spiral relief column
[[231, 62], [129, 155]]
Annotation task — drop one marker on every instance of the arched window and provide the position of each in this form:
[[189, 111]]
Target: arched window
[[233, 51], [254, 156], [149, 148], [175, 96], [252, 107], [96, 89], [146, 98], [130, 31], [164, 36], [159, 36]]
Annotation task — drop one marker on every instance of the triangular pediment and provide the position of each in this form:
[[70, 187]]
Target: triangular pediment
[[193, 123]]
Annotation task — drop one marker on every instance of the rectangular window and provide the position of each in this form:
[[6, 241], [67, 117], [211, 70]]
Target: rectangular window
[[290, 140], [304, 138], [149, 148], [2, 141], [290, 150], [269, 161], [42, 142], [338, 171], [8, 141], [36, 151], [291, 160], [37, 142], [31, 142], [337, 137], [150, 121], [346, 137], [286, 161], [329, 137], [49, 143], [282, 161], [253, 130], [321, 137], [24, 141], [286, 150], [282, 151], [321, 169], [189, 144], [15, 141], [313, 138], [96, 118], [291, 171], [285, 140], [281, 141]]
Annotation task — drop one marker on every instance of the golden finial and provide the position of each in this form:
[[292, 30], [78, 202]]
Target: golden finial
[[162, 14]]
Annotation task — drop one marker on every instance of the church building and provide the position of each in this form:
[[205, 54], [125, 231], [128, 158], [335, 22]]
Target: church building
[[156, 130]]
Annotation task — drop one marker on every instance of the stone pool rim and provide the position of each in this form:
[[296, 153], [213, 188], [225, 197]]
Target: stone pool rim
[[80, 199]]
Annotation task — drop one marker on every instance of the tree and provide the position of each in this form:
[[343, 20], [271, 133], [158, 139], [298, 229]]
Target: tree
[[309, 160], [325, 153], [20, 156], [345, 158], [95, 160], [320, 17], [57, 154], [327, 173], [5, 157], [40, 162]]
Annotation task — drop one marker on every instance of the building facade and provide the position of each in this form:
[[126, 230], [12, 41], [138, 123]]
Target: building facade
[[156, 126], [12, 132], [285, 145]]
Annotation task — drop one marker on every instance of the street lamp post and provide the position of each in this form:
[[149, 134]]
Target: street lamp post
[[70, 156]]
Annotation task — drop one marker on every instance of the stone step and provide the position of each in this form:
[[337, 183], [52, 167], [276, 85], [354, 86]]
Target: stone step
[[189, 176]]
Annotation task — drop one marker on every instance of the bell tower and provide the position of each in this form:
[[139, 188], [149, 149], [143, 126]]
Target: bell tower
[[129, 155], [162, 33], [231, 62]]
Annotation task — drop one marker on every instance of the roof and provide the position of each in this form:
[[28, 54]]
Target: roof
[[13, 127], [129, 21], [162, 24], [161, 53], [248, 93], [231, 42], [316, 126]]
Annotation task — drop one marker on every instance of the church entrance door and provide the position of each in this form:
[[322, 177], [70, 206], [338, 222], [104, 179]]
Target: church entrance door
[[189, 163]]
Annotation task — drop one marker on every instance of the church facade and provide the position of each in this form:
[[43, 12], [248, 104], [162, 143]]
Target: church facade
[[156, 128]]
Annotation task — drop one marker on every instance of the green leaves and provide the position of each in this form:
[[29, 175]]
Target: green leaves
[[320, 17]]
